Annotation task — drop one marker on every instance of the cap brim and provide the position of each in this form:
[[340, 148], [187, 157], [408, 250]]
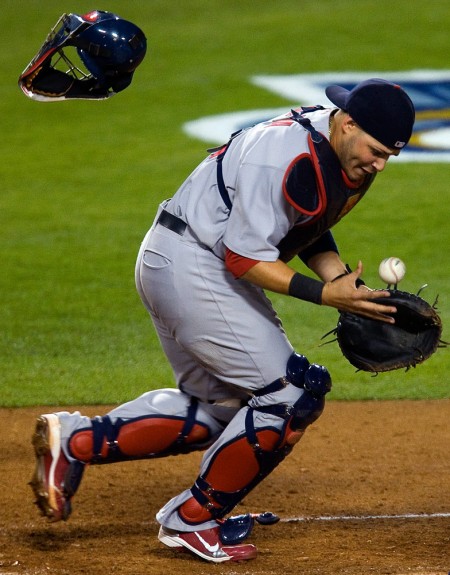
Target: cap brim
[[338, 95]]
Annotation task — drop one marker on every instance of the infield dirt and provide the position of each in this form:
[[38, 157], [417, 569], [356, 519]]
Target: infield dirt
[[348, 498]]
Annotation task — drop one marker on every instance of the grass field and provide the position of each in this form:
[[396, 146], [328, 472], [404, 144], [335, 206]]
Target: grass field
[[81, 182]]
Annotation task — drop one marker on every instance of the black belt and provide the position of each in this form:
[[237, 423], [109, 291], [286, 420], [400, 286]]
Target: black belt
[[172, 223]]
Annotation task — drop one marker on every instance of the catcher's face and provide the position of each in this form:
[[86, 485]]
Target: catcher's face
[[359, 153]]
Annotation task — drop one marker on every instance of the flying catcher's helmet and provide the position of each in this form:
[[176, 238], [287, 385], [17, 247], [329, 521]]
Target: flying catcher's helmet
[[92, 56]]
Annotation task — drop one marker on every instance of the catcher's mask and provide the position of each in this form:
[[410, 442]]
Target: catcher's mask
[[104, 52]]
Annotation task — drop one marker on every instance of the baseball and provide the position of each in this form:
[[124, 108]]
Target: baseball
[[392, 270]]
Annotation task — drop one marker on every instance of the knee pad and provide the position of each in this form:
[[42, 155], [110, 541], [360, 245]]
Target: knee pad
[[151, 435], [299, 396], [310, 405], [245, 455]]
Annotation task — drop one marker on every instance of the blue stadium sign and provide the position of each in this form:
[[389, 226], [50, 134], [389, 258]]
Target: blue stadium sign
[[429, 90]]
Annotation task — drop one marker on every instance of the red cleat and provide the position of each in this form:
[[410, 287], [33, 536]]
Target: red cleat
[[207, 545], [55, 479]]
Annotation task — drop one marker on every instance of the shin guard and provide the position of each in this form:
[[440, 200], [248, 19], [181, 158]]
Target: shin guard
[[242, 462], [148, 436]]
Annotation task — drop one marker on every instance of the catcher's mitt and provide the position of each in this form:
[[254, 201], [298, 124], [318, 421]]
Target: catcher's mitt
[[376, 346]]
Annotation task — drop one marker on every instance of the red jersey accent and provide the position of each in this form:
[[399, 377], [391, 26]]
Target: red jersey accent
[[238, 265], [281, 122]]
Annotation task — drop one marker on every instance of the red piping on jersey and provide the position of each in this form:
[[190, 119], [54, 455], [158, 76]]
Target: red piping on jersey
[[217, 152]]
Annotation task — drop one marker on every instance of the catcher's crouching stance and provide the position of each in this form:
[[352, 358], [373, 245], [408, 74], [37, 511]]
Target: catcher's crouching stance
[[271, 193], [242, 452]]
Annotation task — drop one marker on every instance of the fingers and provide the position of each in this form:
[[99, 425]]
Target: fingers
[[375, 311], [364, 287], [359, 269], [377, 295], [369, 308], [344, 296], [381, 311]]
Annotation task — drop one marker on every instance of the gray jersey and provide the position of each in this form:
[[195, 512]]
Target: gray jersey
[[254, 169]]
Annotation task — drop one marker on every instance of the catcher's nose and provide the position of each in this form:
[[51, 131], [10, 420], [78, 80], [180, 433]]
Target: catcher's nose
[[379, 164]]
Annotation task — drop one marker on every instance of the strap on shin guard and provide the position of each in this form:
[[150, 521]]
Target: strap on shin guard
[[188, 424], [267, 459], [103, 428]]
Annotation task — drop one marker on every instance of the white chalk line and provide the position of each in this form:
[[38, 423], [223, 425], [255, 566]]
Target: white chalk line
[[364, 517]]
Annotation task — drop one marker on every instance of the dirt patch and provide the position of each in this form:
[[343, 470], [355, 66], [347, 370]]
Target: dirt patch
[[367, 490]]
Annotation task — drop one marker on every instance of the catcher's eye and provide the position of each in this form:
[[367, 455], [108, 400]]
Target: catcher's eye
[[380, 153]]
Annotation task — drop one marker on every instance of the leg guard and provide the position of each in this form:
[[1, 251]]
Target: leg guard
[[267, 434], [150, 433]]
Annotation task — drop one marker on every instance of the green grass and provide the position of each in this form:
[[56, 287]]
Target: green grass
[[81, 182]]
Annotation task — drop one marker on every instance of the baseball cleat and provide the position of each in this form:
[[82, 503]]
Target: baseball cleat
[[55, 479], [206, 544]]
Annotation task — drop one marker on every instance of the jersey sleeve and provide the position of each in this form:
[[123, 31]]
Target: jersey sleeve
[[238, 265]]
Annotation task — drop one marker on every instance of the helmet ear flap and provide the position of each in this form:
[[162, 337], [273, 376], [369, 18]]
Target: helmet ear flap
[[90, 64], [116, 81], [119, 83]]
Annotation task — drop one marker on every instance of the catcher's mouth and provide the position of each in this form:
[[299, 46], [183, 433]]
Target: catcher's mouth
[[367, 171], [356, 174]]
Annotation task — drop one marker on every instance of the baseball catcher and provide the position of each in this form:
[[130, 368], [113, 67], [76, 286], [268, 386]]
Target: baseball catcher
[[93, 57], [245, 396], [375, 346]]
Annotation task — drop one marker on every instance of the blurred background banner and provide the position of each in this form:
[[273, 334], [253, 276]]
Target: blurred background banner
[[429, 90]]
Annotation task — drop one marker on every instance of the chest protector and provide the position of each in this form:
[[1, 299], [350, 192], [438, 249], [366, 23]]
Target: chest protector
[[314, 184]]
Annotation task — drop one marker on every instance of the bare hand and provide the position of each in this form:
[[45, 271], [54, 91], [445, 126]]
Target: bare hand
[[343, 295]]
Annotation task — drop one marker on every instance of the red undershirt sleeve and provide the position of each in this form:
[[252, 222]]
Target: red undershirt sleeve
[[238, 265]]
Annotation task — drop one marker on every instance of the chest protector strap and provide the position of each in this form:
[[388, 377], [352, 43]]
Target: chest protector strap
[[219, 154]]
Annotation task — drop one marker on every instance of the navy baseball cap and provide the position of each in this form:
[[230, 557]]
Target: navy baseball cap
[[382, 109]]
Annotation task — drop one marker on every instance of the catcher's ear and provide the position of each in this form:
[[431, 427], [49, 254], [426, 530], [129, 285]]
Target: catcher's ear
[[348, 124]]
